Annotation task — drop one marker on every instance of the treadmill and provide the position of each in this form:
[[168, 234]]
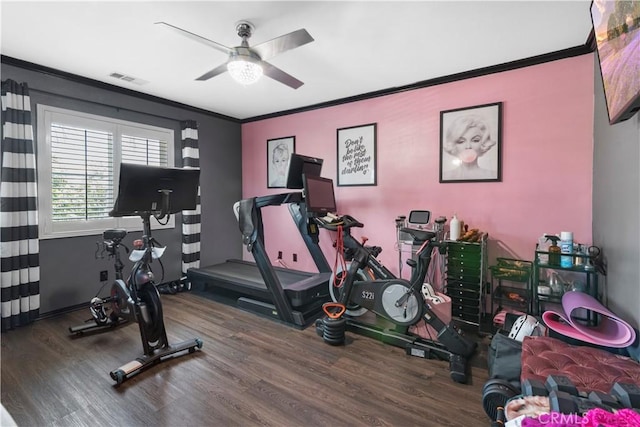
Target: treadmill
[[291, 296]]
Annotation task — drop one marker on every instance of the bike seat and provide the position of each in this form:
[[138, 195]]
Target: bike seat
[[419, 236], [114, 234]]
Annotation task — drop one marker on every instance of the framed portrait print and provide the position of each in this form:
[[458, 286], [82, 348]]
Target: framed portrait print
[[278, 155], [357, 155], [471, 144]]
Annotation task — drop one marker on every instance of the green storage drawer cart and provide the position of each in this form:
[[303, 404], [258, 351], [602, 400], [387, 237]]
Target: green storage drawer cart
[[465, 278]]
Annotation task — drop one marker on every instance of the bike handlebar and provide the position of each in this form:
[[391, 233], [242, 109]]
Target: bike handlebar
[[346, 221], [419, 235]]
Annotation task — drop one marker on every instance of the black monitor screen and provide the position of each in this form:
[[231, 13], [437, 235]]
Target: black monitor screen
[[299, 165], [319, 195], [141, 187]]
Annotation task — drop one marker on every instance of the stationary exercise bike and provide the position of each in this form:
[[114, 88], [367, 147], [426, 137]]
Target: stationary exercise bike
[[103, 314], [137, 299], [367, 285]]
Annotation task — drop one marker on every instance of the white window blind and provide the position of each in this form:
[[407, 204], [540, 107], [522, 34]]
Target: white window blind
[[81, 173], [79, 156], [144, 151]]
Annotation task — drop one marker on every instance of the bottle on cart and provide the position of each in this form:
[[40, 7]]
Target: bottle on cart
[[566, 247], [543, 246], [454, 228], [554, 250]]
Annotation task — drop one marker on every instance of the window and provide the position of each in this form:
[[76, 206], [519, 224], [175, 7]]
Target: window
[[78, 164]]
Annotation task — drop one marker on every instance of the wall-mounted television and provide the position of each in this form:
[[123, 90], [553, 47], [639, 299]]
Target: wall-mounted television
[[299, 165], [319, 195], [616, 25]]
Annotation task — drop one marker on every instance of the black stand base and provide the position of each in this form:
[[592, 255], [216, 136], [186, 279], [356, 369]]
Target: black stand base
[[415, 346], [91, 325], [135, 366]]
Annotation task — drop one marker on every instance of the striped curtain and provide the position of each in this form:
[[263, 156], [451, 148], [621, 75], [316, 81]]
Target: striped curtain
[[190, 218], [20, 273]]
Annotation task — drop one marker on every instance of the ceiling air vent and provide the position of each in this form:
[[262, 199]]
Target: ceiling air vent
[[127, 78]]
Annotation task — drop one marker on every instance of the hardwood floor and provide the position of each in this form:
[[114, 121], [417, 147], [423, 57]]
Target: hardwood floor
[[250, 371]]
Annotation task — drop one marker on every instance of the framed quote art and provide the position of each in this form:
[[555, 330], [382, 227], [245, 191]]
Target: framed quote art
[[278, 155], [357, 155], [471, 144]]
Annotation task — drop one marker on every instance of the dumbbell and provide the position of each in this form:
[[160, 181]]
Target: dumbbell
[[533, 387], [605, 399], [627, 394], [563, 402], [564, 396], [495, 395], [500, 418], [559, 389], [622, 395]]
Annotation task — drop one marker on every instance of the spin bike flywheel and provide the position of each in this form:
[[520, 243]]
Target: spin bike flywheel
[[151, 315], [401, 304], [335, 289]]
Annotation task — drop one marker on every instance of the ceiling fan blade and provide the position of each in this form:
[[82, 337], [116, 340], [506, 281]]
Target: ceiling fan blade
[[279, 75], [198, 38], [212, 73], [271, 48]]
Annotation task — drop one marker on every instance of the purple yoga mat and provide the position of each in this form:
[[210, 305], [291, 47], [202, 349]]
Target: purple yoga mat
[[611, 331]]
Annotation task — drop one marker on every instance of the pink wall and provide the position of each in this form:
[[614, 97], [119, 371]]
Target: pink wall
[[547, 161]]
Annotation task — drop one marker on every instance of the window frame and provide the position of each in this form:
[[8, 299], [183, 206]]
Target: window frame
[[46, 114]]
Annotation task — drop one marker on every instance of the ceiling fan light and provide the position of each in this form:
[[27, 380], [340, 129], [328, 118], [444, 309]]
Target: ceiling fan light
[[244, 72]]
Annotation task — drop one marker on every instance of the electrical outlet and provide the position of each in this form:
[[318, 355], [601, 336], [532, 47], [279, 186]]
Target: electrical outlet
[[295, 257], [104, 275], [279, 254]]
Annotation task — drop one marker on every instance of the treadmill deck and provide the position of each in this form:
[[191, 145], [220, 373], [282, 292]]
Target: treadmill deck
[[243, 277]]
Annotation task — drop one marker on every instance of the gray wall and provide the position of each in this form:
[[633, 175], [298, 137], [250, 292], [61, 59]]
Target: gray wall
[[69, 271], [616, 206]]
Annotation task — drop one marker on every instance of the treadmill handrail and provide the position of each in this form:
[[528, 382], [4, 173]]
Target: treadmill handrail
[[279, 199]]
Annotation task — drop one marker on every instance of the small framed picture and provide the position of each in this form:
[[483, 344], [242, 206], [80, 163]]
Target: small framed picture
[[471, 144], [278, 155], [357, 155]]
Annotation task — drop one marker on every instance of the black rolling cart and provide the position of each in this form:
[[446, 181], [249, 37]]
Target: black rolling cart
[[511, 285], [551, 281]]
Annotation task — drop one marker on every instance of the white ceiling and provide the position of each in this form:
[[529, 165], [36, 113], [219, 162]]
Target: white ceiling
[[359, 47]]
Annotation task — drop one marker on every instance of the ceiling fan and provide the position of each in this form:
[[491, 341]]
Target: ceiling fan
[[247, 64]]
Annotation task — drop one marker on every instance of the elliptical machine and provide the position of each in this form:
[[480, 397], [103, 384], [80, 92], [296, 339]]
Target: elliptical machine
[[103, 313], [367, 285]]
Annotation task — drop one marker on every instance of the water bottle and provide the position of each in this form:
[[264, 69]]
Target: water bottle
[[566, 247], [454, 228]]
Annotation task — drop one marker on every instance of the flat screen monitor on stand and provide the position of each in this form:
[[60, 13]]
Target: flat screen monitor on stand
[[155, 189], [302, 165], [319, 195]]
